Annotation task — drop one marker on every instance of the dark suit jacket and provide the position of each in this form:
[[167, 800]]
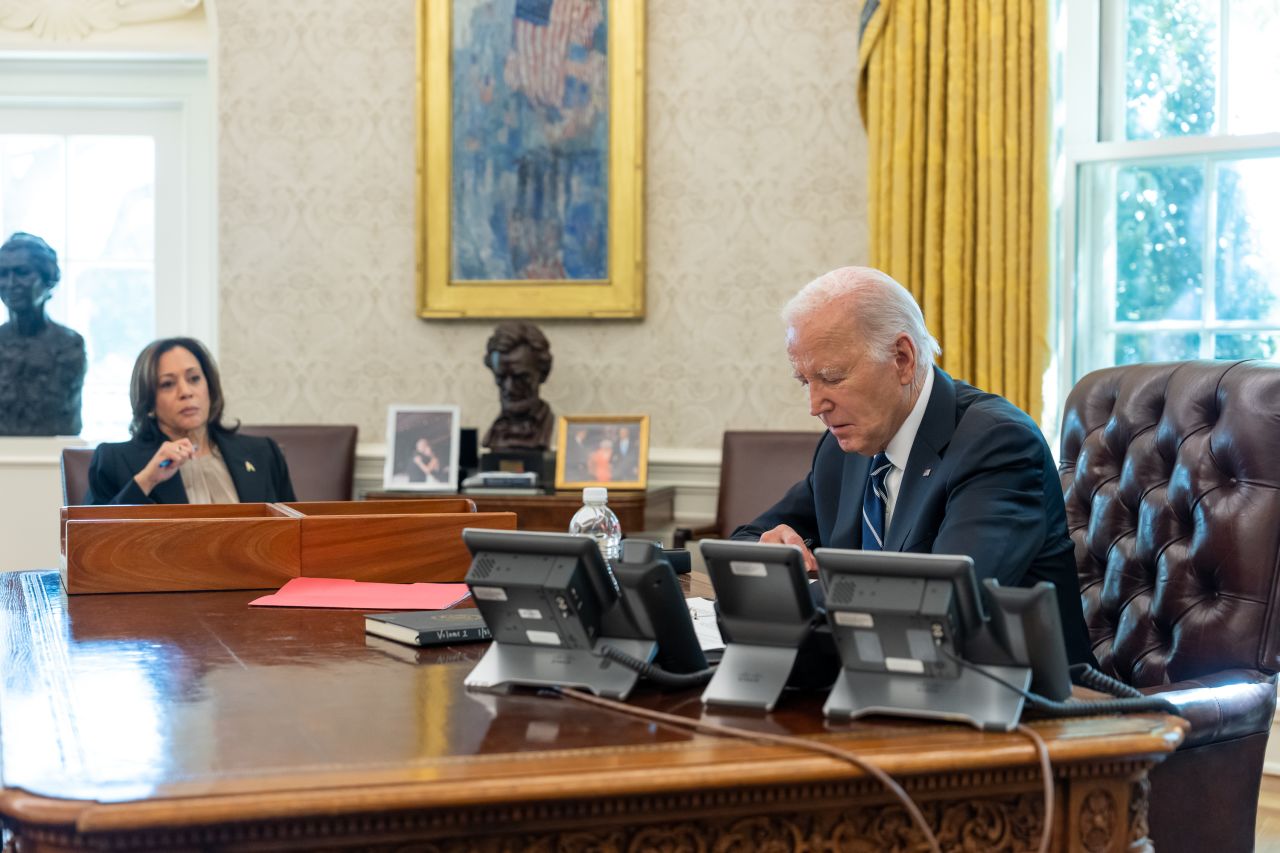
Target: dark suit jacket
[[113, 467], [980, 481]]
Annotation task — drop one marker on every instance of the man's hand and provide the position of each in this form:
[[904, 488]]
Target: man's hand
[[784, 535]]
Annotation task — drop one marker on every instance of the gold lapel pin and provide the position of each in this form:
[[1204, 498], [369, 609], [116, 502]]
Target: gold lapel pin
[[927, 472], [248, 466]]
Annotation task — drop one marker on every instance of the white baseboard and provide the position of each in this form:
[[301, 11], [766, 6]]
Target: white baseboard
[[31, 471]]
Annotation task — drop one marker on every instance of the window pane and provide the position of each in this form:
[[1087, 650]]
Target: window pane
[[111, 199], [1247, 256], [33, 187], [1157, 346], [1171, 68], [1251, 345], [1159, 242], [115, 333], [92, 198], [1253, 74]]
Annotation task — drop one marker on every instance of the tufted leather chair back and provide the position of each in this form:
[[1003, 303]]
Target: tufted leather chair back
[[1171, 474]]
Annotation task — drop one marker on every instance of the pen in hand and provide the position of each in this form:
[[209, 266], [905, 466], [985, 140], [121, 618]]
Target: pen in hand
[[810, 566], [165, 463]]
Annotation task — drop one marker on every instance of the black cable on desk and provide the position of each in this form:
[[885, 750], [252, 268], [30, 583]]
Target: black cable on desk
[[1095, 679], [657, 674]]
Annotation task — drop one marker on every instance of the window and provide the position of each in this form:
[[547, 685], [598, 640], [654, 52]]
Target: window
[[1171, 214], [107, 163], [92, 198]]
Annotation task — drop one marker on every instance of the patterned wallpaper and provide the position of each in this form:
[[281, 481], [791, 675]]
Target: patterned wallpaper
[[755, 161]]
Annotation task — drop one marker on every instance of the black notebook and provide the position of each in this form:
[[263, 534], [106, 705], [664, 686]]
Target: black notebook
[[429, 627], [422, 654]]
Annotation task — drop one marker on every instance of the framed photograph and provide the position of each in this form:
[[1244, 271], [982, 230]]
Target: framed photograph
[[602, 450], [530, 158], [422, 448]]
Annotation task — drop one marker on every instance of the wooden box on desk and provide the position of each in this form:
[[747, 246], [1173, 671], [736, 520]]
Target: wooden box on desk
[[188, 548]]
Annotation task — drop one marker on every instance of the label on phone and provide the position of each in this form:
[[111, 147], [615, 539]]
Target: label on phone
[[489, 593], [748, 568], [854, 620], [529, 613], [543, 638], [911, 665]]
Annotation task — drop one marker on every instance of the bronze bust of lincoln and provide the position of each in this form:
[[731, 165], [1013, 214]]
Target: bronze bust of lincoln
[[520, 357]]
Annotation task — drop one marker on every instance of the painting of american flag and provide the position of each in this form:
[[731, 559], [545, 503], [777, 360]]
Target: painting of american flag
[[530, 140]]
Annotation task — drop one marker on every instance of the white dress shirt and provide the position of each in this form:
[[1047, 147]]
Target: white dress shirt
[[899, 449]]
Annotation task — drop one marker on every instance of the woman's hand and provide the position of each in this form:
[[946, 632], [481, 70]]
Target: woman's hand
[[171, 456]]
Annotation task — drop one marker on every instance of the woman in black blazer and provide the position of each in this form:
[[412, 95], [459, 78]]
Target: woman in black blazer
[[180, 451]]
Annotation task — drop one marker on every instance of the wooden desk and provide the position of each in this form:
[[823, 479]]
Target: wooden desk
[[637, 511], [189, 721]]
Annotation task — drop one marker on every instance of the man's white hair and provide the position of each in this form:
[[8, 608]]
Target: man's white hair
[[877, 310]]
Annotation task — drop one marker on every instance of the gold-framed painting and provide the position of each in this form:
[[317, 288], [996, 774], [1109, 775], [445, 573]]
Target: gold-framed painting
[[530, 158], [602, 450]]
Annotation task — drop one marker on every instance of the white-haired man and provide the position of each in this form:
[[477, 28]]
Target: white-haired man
[[912, 459]]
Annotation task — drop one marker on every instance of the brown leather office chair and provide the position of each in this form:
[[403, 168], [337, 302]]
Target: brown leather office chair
[[75, 474], [321, 457], [756, 469], [1172, 480]]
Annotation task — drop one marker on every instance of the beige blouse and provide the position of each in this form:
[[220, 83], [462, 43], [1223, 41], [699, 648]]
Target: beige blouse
[[208, 481]]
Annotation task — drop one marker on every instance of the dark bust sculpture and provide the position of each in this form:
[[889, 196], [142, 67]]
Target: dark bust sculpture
[[42, 364], [520, 358]]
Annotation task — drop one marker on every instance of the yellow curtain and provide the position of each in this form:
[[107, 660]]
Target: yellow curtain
[[955, 98]]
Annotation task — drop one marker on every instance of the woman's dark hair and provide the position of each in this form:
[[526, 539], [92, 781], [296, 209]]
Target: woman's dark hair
[[146, 378]]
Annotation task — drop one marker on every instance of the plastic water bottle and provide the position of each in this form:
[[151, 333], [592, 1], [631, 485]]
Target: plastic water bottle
[[596, 520]]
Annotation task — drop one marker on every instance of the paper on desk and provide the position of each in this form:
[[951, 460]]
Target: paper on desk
[[361, 595], [703, 612]]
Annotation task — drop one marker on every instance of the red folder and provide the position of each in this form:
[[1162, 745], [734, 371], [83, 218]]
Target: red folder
[[362, 595]]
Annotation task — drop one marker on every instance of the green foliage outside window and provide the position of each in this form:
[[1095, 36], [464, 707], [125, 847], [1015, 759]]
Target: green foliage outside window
[[1172, 90]]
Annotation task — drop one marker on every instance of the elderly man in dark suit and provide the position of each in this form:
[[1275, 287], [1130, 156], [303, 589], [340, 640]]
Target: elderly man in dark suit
[[912, 459]]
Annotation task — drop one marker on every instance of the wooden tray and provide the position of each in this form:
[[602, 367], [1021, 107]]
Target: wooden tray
[[193, 547]]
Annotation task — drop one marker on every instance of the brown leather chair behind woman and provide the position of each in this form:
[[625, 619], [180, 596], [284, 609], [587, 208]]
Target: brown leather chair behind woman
[[75, 474], [321, 457], [1172, 480]]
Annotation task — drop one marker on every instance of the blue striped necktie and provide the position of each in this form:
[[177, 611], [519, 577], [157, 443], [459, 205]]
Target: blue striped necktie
[[874, 497]]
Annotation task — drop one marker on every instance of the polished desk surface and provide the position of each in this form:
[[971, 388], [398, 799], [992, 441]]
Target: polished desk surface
[[127, 713]]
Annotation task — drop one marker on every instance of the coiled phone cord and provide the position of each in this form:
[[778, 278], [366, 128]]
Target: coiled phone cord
[[655, 673]]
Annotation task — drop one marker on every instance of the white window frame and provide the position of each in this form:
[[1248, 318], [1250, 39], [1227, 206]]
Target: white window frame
[[111, 95], [1091, 117]]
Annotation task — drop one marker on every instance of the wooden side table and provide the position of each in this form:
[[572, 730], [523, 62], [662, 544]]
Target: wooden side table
[[651, 510]]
